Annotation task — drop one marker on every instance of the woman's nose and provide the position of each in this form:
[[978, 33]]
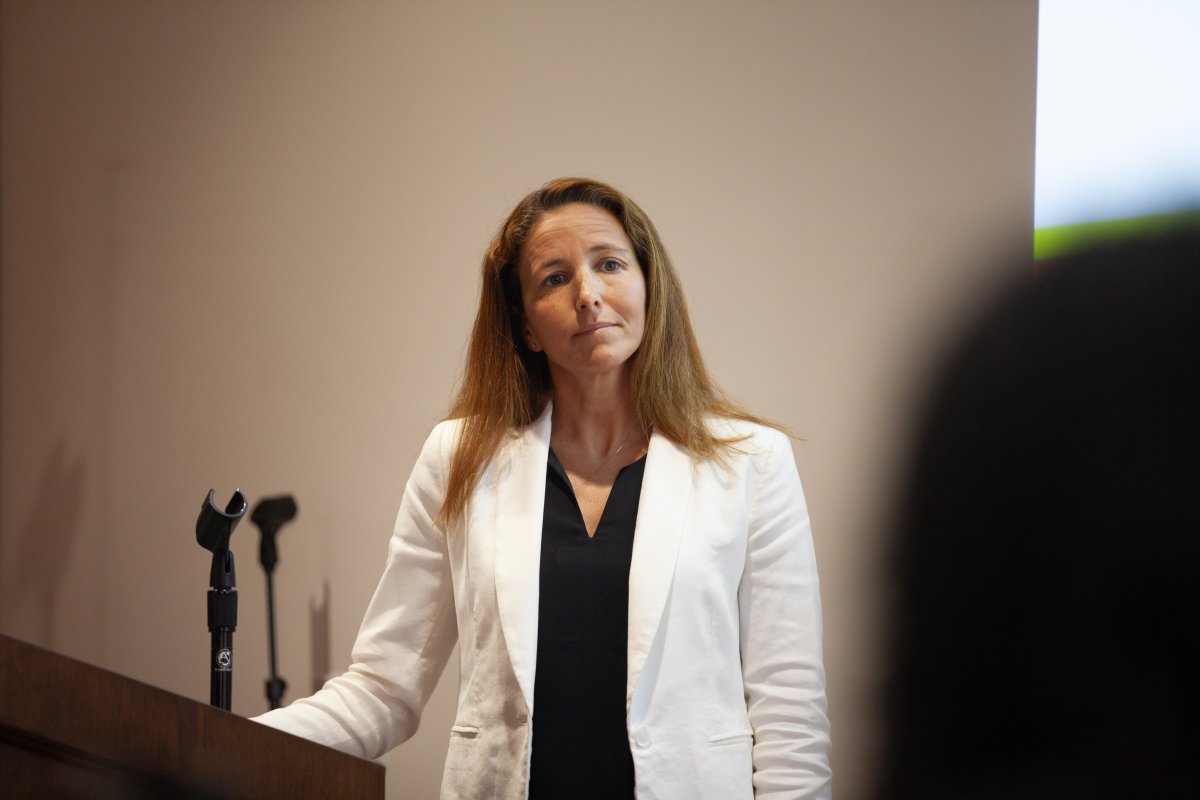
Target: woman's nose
[[589, 293]]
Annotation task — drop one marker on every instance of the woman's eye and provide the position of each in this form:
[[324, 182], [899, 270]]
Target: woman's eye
[[610, 265], [554, 280]]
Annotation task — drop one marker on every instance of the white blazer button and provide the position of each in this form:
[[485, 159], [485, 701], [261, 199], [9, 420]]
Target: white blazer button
[[641, 737]]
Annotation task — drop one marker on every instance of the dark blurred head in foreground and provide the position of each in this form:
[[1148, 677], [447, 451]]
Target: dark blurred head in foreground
[[1046, 560]]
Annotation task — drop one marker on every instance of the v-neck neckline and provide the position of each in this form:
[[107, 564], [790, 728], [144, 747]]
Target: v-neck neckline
[[561, 471]]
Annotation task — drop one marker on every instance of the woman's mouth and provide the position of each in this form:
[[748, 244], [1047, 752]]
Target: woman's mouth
[[593, 328]]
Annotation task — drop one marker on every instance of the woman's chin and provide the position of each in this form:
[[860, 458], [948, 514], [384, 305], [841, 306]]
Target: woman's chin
[[599, 364]]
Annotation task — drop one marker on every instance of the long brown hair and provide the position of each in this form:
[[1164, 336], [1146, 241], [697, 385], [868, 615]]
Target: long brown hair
[[506, 385]]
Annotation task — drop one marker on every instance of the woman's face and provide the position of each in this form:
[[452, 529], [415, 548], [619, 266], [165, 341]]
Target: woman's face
[[583, 290]]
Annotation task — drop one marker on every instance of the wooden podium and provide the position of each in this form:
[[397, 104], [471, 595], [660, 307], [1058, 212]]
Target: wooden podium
[[69, 729]]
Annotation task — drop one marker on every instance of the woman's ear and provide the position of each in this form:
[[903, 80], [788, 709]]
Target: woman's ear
[[531, 342]]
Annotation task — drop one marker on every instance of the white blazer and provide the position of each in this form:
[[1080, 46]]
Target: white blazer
[[726, 689]]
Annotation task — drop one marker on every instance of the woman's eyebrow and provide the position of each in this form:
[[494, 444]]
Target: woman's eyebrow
[[558, 261], [550, 262], [603, 247]]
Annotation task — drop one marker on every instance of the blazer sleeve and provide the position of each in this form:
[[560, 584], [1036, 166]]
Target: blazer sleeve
[[780, 608], [406, 636]]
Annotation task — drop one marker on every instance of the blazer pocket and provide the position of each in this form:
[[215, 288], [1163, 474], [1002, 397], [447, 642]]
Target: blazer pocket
[[464, 731], [733, 737]]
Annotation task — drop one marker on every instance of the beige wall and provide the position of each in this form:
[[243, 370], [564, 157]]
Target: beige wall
[[240, 244]]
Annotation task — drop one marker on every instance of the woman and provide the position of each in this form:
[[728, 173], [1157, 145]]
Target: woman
[[623, 555]]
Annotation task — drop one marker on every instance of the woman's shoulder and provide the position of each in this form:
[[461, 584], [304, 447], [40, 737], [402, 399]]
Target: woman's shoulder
[[443, 440], [447, 429], [743, 431], [440, 443], [749, 445]]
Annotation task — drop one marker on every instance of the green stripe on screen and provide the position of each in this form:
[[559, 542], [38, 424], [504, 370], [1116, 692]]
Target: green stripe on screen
[[1063, 239]]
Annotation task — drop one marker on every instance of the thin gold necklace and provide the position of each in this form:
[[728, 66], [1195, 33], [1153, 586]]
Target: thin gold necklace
[[603, 461]]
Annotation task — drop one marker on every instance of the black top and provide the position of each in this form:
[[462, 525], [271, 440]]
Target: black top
[[580, 746]]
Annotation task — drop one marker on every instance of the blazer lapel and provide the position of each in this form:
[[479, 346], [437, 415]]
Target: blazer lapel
[[662, 511], [520, 501]]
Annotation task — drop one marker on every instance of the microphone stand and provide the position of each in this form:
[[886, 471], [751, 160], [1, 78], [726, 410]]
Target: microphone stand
[[213, 529], [269, 515]]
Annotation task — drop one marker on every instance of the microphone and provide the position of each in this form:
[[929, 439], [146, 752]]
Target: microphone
[[214, 526], [213, 529]]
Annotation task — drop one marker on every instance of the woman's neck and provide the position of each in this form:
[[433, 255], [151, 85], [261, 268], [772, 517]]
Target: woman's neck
[[593, 413]]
